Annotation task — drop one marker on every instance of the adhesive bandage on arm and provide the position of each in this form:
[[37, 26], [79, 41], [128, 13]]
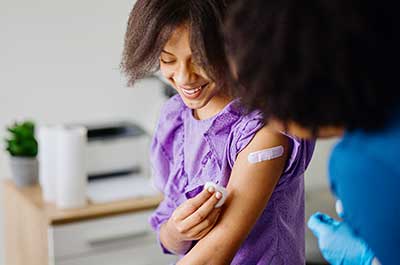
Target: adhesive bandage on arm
[[266, 154], [217, 188]]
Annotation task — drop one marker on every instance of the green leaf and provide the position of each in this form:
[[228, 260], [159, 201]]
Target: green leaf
[[29, 126], [22, 141], [11, 129]]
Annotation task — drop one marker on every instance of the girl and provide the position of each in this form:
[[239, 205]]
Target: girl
[[205, 135]]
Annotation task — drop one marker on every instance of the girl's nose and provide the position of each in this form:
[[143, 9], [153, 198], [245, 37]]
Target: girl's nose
[[184, 75]]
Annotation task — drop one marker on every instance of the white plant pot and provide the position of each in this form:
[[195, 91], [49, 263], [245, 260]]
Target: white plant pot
[[24, 170]]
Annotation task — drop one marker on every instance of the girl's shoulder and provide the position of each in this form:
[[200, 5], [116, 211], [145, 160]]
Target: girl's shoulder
[[239, 120], [243, 129], [250, 123]]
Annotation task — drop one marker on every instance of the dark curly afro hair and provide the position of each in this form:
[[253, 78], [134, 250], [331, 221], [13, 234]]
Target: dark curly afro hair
[[316, 62]]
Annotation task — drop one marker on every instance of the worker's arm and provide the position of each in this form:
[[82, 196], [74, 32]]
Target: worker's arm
[[249, 189], [366, 181]]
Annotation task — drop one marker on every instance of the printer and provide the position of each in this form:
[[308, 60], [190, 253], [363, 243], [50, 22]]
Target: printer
[[117, 149]]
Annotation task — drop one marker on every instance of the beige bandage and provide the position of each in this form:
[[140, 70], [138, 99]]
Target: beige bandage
[[266, 154]]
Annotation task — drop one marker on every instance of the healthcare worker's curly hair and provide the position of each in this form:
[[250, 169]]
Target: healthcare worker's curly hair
[[316, 62], [151, 23]]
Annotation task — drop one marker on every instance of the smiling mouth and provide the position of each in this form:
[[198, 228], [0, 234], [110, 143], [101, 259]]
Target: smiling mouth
[[193, 92]]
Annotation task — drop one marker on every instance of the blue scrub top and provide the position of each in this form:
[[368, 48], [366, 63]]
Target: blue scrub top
[[365, 175]]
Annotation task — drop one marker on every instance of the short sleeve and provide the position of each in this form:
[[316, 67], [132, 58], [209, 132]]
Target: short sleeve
[[368, 189], [243, 133], [301, 152], [167, 139]]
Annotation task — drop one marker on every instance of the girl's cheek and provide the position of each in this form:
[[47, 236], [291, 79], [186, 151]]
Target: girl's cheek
[[202, 73], [167, 73], [168, 76]]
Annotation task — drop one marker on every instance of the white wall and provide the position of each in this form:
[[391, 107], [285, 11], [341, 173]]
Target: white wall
[[59, 63], [317, 172]]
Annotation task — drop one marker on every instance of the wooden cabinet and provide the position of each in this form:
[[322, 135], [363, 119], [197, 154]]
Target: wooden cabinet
[[115, 233]]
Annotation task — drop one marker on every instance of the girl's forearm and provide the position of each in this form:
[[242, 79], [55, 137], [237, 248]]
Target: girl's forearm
[[173, 243], [213, 249]]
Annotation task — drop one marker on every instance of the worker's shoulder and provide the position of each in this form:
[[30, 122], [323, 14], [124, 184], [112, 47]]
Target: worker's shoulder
[[364, 167], [373, 151], [366, 179], [366, 160]]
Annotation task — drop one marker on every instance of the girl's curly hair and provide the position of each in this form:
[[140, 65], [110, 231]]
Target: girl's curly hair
[[151, 23]]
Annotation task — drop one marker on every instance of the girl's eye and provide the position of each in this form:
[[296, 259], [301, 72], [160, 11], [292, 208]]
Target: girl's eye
[[167, 61]]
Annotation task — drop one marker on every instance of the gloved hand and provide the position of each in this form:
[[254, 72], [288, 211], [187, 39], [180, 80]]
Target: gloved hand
[[337, 243]]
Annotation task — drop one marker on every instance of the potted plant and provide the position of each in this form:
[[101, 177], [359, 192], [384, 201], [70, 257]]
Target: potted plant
[[23, 148]]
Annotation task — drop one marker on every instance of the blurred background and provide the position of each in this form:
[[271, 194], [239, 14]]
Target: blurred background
[[59, 62]]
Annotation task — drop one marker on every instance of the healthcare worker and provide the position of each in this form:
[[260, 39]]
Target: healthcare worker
[[329, 69]]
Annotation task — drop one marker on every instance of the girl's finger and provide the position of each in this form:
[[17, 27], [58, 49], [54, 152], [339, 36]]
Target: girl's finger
[[209, 222], [192, 205], [202, 213]]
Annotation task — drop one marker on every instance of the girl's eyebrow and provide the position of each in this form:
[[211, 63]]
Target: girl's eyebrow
[[167, 52]]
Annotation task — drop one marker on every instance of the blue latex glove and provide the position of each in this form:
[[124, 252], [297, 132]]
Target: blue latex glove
[[337, 243]]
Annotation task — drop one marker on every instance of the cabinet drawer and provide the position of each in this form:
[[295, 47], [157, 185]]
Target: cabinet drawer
[[117, 232], [150, 255]]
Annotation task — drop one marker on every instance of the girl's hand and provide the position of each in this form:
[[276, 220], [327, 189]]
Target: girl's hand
[[193, 219]]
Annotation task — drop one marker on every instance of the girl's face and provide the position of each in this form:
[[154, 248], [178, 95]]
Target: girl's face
[[178, 66]]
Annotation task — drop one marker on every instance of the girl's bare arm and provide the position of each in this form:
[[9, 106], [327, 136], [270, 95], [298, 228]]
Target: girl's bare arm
[[249, 190]]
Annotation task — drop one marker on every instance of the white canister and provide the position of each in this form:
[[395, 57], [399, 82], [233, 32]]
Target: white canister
[[71, 167], [47, 153]]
